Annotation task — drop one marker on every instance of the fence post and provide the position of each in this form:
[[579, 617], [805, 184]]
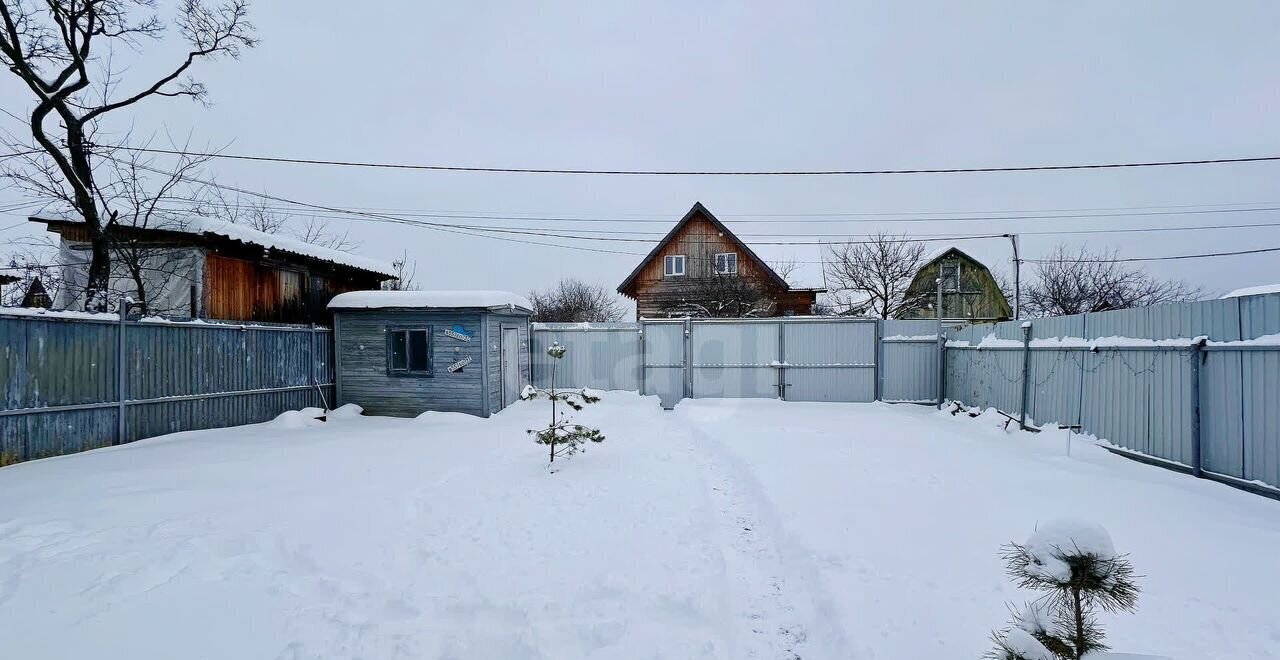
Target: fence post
[[782, 359], [1197, 453], [942, 339], [688, 370], [642, 358], [879, 358], [1026, 373], [122, 308]]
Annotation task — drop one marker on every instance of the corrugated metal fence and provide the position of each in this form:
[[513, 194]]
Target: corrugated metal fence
[[65, 389], [1139, 379], [795, 359]]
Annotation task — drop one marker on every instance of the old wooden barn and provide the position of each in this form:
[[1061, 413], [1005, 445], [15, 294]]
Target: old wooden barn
[[402, 353]]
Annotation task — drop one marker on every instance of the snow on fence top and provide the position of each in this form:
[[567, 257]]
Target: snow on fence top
[[1259, 290], [429, 299]]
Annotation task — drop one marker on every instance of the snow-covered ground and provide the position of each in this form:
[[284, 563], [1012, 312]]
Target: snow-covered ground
[[724, 529]]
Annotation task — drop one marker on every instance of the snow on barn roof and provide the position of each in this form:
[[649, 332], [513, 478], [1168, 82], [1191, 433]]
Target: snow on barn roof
[[1259, 290], [429, 299], [197, 226]]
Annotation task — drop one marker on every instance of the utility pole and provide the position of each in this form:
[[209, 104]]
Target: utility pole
[[1017, 277]]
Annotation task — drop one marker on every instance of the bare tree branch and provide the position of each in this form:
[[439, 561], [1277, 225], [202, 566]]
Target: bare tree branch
[[874, 277], [575, 301]]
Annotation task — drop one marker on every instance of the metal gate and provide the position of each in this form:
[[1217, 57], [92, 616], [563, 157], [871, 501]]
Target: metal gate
[[791, 359]]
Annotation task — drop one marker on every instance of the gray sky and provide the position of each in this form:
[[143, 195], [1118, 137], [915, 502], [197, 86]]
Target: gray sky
[[731, 85]]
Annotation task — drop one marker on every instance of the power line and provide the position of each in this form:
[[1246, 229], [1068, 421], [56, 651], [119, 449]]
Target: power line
[[622, 172], [1176, 257]]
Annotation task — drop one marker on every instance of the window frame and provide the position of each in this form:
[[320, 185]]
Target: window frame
[[671, 259], [716, 264], [408, 371], [942, 273]]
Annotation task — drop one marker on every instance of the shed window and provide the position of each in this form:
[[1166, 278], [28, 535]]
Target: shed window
[[409, 351], [727, 263], [673, 265]]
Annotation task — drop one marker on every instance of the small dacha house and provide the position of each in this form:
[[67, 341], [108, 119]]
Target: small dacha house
[[213, 269], [403, 353], [970, 292], [701, 269]]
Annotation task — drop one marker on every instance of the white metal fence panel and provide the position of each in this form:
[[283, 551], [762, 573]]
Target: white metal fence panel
[[909, 361], [829, 360], [599, 356], [734, 359], [664, 352]]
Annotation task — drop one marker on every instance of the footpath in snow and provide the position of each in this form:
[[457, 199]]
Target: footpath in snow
[[722, 530]]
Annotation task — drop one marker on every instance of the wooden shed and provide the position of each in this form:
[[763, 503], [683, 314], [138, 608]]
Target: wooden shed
[[213, 269], [402, 353]]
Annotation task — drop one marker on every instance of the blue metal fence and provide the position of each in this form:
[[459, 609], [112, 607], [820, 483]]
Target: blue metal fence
[[1187, 385], [69, 382]]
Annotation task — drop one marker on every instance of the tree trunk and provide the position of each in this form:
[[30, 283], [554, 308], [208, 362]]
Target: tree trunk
[[553, 414], [1079, 613]]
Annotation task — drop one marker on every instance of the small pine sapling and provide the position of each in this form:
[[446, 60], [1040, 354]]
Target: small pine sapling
[[562, 436], [1077, 569]]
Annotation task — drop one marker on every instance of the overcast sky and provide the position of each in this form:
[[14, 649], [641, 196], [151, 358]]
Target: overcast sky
[[733, 85]]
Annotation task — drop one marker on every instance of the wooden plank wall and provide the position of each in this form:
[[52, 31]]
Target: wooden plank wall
[[699, 240], [362, 344]]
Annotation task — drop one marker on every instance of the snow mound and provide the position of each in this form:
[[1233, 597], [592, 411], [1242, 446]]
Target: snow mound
[[437, 417], [297, 419], [428, 299], [1056, 539], [347, 411]]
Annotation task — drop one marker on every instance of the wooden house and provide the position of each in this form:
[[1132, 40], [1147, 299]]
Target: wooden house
[[402, 353], [699, 259], [212, 269], [970, 292]]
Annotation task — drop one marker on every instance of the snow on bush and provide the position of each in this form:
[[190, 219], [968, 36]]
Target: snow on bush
[[297, 419], [1075, 565]]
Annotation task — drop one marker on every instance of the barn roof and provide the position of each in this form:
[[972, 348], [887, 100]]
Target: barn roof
[[225, 230], [696, 210]]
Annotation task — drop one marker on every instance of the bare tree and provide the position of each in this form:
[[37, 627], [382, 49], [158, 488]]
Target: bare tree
[[319, 232], [873, 277], [1068, 282], [404, 271], [722, 296], [575, 301], [785, 268], [62, 52]]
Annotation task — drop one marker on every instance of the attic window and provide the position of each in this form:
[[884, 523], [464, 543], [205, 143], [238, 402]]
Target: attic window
[[727, 263], [673, 265], [951, 277]]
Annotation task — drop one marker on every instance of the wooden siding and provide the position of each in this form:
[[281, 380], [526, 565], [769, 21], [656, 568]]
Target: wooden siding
[[362, 367], [243, 290], [700, 241], [495, 324]]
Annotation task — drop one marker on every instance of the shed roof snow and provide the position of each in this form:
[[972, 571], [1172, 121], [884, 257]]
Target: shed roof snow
[[430, 300], [197, 226], [1259, 290]]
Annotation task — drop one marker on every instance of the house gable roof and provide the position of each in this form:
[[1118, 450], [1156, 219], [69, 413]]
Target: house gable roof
[[698, 210]]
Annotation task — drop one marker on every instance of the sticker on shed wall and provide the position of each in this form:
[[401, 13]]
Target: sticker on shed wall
[[457, 332], [457, 366]]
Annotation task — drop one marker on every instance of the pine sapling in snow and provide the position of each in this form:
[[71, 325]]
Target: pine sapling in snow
[[563, 436], [1077, 569]]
